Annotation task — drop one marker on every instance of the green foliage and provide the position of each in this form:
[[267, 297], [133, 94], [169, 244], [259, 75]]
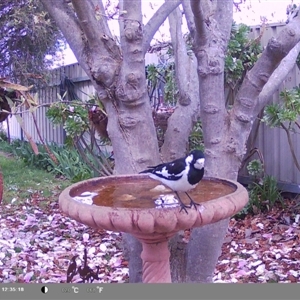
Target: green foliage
[[264, 195], [255, 168], [5, 147], [70, 165], [285, 115], [3, 136], [165, 74], [263, 191], [196, 137], [73, 117], [22, 181], [170, 88], [241, 55], [23, 150], [287, 111], [27, 35]]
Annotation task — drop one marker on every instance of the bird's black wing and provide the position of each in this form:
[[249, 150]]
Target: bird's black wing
[[151, 168], [172, 170]]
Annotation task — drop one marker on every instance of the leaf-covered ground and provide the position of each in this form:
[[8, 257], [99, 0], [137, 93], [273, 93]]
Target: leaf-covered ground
[[263, 248], [37, 244]]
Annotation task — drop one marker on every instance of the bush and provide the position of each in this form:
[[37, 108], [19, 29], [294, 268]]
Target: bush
[[69, 164], [3, 136], [196, 137], [264, 195], [23, 150], [263, 191]]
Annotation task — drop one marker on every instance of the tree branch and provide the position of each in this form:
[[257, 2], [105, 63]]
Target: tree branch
[[131, 28], [259, 75], [157, 19], [186, 4], [246, 105], [101, 12], [202, 10], [121, 18], [222, 11], [210, 45], [284, 68], [181, 57], [91, 21], [185, 115], [68, 24]]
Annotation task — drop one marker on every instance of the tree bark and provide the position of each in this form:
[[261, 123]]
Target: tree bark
[[118, 75], [211, 36], [247, 103], [181, 122], [277, 77], [226, 133]]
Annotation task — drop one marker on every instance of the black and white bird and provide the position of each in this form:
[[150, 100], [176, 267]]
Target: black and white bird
[[180, 175]]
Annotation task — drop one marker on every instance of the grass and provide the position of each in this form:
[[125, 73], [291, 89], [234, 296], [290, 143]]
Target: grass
[[22, 182]]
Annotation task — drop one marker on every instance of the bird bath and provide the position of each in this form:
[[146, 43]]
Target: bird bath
[[125, 203]]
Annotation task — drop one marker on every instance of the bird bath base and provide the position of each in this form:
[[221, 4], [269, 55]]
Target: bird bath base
[[100, 203]]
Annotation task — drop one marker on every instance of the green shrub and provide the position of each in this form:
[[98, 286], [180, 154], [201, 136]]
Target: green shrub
[[23, 150], [70, 164], [263, 191], [3, 136], [255, 169], [196, 137], [264, 195]]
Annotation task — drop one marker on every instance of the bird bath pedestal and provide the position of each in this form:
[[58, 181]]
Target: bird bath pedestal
[[134, 212]]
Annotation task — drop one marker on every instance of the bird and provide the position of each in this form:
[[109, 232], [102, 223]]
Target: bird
[[180, 175]]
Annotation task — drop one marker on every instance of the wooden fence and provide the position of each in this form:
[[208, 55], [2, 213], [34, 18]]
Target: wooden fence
[[272, 143]]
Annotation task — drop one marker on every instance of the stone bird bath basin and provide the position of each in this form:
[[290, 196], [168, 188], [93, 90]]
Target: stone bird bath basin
[[125, 203]]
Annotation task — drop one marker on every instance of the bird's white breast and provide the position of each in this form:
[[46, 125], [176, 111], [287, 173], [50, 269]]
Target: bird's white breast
[[180, 185]]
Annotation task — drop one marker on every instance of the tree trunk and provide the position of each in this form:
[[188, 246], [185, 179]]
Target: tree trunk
[[205, 245], [225, 133], [204, 249], [118, 75], [178, 258], [180, 125], [185, 115]]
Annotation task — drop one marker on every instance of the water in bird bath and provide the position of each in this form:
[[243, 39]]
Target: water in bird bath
[[143, 192]]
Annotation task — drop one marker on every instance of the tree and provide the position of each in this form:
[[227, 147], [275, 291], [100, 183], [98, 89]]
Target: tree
[[117, 71], [27, 35], [226, 130]]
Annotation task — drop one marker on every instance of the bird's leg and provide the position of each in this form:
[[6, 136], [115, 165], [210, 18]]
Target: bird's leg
[[192, 203], [182, 205]]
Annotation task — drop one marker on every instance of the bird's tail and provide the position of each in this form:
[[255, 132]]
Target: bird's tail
[[147, 170]]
